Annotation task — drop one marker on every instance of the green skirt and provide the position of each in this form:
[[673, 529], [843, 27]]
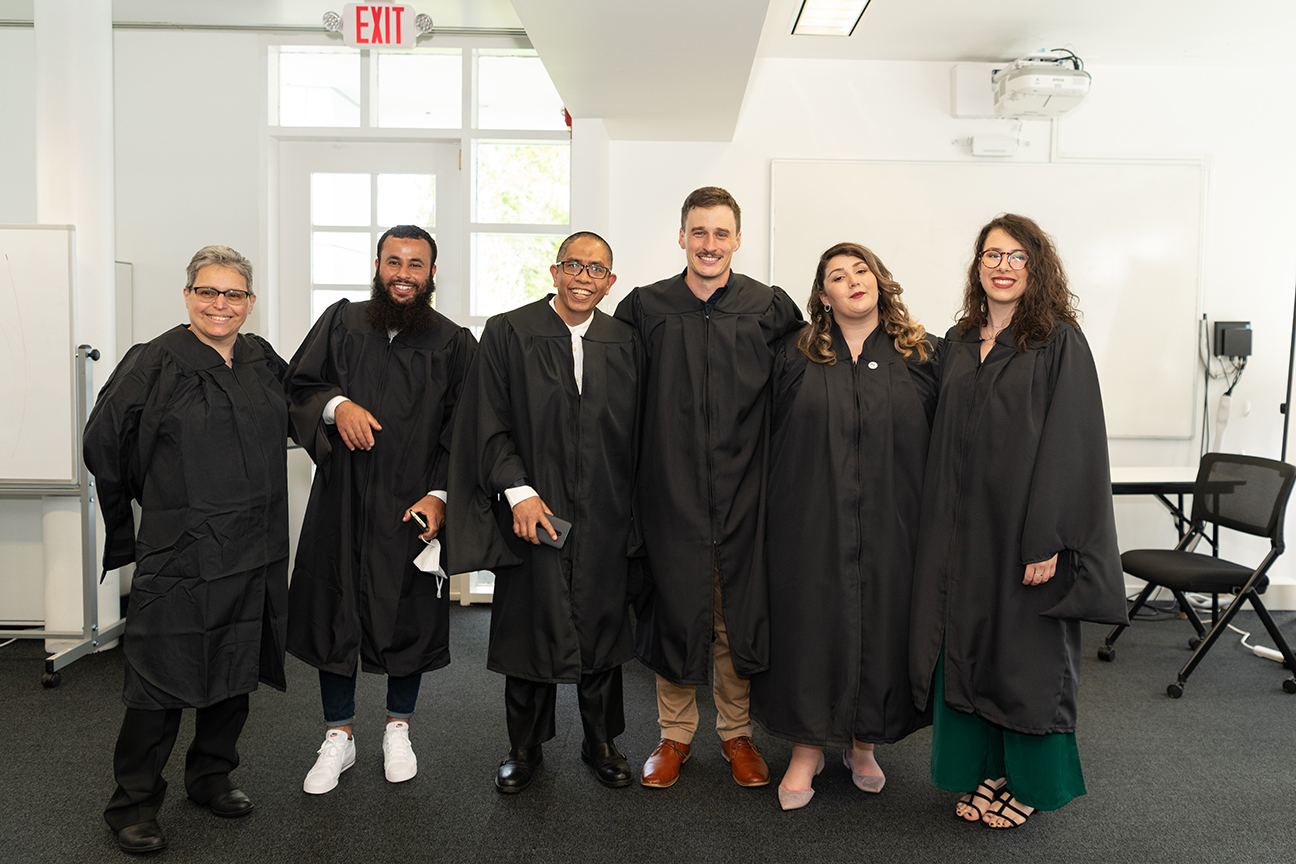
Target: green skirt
[[1043, 771]]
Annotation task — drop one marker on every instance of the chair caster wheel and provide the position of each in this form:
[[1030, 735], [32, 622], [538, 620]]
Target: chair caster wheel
[[1290, 685], [49, 680], [1174, 691], [1107, 653], [1194, 642]]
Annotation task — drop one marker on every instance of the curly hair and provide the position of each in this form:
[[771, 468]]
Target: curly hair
[[1047, 299], [815, 341]]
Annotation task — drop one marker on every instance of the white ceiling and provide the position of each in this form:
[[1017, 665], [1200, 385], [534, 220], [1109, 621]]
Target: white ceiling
[[655, 70], [678, 69]]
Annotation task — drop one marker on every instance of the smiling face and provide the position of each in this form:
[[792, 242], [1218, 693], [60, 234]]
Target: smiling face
[[709, 238], [851, 289], [218, 322], [405, 268], [1003, 285], [578, 295]]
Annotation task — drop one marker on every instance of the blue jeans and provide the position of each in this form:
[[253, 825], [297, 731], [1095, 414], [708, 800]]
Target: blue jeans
[[338, 695]]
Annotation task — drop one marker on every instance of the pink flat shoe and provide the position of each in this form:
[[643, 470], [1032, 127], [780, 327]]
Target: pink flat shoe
[[865, 782], [794, 799]]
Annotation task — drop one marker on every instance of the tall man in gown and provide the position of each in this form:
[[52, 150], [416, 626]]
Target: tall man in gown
[[372, 392], [548, 421], [710, 336]]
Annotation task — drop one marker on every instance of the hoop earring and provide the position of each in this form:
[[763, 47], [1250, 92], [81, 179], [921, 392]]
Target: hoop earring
[[827, 308]]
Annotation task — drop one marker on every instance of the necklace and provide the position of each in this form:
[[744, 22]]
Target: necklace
[[994, 331]]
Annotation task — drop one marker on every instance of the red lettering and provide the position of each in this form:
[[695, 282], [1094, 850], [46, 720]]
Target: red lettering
[[360, 24], [398, 10], [377, 25], [387, 22]]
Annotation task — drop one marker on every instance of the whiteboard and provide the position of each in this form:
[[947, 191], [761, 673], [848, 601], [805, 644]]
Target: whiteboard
[[1130, 235], [37, 348]]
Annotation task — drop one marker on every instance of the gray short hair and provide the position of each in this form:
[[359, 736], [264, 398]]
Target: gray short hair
[[219, 256]]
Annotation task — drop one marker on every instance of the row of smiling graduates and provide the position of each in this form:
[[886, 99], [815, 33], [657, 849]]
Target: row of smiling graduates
[[852, 528]]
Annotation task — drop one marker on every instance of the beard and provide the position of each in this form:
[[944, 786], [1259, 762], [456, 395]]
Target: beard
[[385, 315]]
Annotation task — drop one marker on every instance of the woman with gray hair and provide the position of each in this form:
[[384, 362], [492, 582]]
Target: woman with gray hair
[[193, 425]]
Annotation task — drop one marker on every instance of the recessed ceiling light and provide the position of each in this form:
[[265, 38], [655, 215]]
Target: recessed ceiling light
[[829, 17]]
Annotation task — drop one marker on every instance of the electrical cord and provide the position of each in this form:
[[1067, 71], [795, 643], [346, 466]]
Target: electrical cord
[[1076, 61], [1164, 610]]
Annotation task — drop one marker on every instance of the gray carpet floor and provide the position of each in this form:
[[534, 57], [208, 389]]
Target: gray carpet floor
[[1204, 778]]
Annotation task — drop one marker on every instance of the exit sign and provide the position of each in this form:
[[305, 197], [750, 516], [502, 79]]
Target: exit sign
[[365, 26]]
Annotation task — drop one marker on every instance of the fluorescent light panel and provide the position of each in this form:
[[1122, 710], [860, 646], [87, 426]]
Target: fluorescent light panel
[[829, 17]]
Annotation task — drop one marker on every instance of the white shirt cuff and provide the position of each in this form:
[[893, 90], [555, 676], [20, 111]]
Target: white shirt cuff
[[439, 493], [331, 407], [518, 494]]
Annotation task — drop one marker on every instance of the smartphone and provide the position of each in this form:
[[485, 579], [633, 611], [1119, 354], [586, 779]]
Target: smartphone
[[562, 526], [417, 517]]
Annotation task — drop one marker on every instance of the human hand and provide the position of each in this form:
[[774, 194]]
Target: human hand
[[355, 425], [432, 509], [1041, 572], [527, 514]]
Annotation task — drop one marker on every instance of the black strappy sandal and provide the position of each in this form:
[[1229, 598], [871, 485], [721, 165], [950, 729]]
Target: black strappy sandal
[[986, 793], [1004, 802]]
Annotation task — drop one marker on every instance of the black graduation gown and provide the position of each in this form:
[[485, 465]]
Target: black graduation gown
[[1018, 471], [356, 593], [701, 482], [556, 614], [203, 448], [848, 449]]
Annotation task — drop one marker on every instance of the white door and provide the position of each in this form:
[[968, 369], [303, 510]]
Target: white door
[[335, 200]]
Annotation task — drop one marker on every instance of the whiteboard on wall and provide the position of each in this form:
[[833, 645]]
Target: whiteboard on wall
[[37, 348], [1130, 235]]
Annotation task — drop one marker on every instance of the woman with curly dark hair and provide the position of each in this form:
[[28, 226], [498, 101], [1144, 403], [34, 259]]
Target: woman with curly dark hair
[[854, 393], [1018, 539]]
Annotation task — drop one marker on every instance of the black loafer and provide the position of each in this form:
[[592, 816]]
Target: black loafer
[[142, 837], [608, 764], [518, 770], [230, 804]]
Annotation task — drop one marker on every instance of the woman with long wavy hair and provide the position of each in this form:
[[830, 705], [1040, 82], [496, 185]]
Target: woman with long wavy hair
[[1018, 539], [853, 393]]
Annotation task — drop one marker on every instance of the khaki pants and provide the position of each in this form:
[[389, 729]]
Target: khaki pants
[[677, 709]]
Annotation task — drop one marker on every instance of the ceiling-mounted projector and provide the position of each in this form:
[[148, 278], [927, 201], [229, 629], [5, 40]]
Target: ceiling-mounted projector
[[1041, 86]]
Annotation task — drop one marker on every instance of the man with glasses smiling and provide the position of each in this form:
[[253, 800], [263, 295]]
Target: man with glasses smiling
[[546, 430]]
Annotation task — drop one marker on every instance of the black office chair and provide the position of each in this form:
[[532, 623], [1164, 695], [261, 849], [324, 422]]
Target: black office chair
[[1245, 493]]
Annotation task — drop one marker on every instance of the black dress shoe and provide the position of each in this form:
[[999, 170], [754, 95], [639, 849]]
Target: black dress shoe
[[518, 770], [142, 837], [608, 763], [230, 804]]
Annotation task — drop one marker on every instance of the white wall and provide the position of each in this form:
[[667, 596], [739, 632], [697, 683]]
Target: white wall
[[831, 109], [17, 125], [188, 140]]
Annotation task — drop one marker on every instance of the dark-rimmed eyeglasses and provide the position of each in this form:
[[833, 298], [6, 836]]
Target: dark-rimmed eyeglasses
[[574, 268], [233, 296], [992, 257]]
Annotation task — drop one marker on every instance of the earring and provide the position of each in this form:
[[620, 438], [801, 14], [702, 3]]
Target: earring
[[827, 308]]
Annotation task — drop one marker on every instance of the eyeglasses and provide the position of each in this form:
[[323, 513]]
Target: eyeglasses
[[992, 257], [233, 295], [574, 268]]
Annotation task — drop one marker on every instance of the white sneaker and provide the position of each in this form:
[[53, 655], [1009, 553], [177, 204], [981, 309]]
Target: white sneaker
[[336, 755], [399, 762]]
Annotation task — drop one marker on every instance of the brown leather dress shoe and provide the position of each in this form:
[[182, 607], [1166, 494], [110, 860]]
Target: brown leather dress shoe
[[663, 766], [749, 768]]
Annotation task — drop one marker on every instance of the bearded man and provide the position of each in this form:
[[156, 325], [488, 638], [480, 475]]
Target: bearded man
[[372, 392]]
